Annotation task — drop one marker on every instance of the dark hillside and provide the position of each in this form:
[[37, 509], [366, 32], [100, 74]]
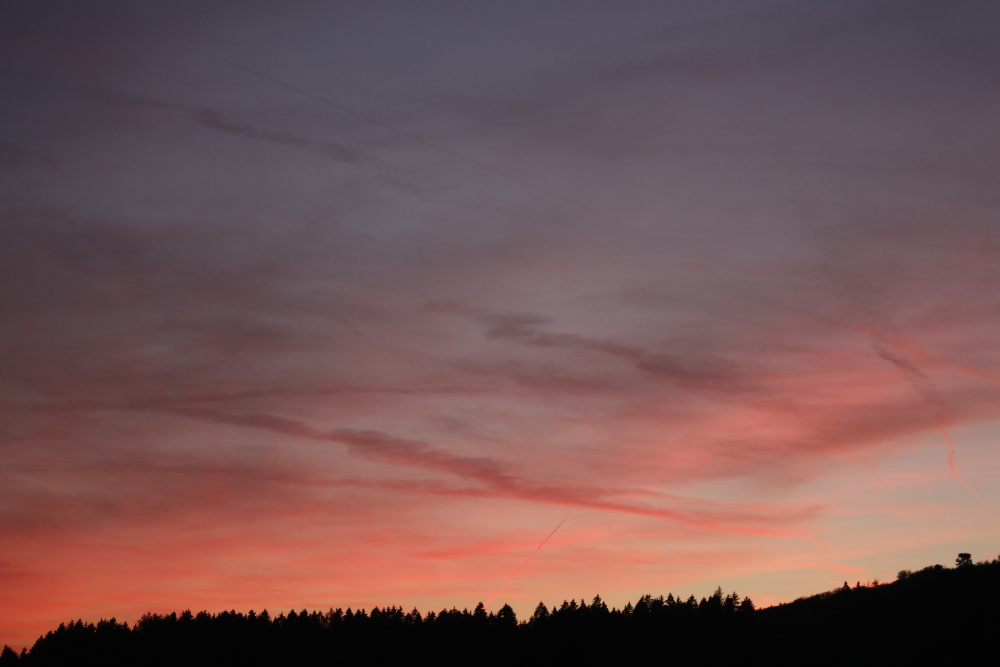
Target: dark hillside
[[937, 611]]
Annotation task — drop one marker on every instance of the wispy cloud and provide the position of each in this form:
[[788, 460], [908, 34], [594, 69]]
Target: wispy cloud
[[216, 121], [501, 480]]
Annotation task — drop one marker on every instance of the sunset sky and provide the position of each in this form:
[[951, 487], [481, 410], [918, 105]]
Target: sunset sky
[[314, 304]]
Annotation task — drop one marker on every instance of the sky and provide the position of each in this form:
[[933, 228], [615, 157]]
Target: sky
[[312, 305]]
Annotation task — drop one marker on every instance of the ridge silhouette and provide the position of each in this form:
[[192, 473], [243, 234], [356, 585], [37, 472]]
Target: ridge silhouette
[[934, 613]]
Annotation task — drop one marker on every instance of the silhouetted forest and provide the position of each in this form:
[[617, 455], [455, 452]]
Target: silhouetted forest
[[937, 613]]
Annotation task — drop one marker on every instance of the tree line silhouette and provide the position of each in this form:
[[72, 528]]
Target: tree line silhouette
[[935, 612]]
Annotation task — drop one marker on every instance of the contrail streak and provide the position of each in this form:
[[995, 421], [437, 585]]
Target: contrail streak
[[905, 353], [412, 137], [524, 564], [949, 443], [924, 388]]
